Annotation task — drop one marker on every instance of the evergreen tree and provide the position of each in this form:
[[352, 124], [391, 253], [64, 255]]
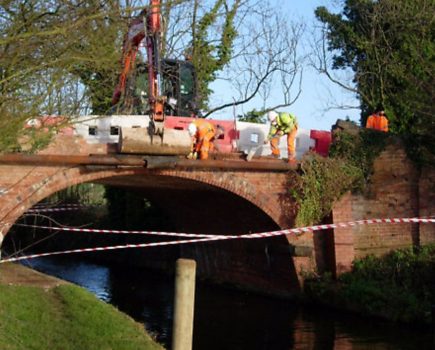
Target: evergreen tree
[[253, 116], [390, 46]]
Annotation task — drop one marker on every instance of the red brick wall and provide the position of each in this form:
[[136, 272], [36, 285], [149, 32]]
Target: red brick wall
[[396, 189], [263, 265], [258, 264], [28, 185], [427, 204], [344, 245]]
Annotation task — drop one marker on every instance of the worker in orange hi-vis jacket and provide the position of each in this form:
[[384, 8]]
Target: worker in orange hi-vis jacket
[[377, 121], [203, 134]]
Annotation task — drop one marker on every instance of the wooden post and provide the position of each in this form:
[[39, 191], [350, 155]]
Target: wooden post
[[184, 300], [433, 325], [1, 242]]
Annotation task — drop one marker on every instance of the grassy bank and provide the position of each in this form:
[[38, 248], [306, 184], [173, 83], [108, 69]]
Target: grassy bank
[[49, 315], [399, 286]]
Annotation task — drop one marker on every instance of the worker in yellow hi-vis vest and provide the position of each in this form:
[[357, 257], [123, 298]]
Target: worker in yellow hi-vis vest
[[281, 124]]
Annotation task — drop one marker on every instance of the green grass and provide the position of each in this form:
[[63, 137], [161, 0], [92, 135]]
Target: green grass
[[65, 317]]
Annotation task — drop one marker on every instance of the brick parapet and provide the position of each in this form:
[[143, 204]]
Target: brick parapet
[[427, 203], [396, 189]]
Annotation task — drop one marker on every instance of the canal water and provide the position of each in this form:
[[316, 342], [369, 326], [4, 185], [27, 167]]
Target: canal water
[[231, 320]]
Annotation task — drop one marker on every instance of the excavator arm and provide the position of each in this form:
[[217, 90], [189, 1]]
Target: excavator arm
[[146, 27], [155, 139]]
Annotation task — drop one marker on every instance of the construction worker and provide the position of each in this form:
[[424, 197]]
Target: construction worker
[[282, 124], [377, 121], [203, 134]]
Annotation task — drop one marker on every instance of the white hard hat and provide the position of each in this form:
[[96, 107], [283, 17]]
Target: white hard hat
[[192, 129], [272, 115], [33, 123]]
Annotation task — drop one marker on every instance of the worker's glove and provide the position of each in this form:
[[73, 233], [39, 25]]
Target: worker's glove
[[280, 132], [192, 155]]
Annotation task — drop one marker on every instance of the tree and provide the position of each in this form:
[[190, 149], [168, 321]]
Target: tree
[[208, 56], [266, 62], [63, 57], [245, 43], [253, 116], [389, 45], [58, 57]]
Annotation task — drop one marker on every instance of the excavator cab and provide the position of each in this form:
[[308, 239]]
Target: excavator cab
[[178, 88]]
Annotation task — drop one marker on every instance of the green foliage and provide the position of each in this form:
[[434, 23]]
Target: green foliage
[[253, 116], [32, 140], [85, 194], [207, 56], [64, 317], [321, 182], [56, 57], [10, 126], [390, 46], [359, 149], [400, 285]]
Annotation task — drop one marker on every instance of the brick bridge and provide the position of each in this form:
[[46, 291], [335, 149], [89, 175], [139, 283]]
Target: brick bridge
[[215, 200]]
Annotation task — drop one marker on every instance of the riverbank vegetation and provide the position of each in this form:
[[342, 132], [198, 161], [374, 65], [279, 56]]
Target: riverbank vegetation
[[399, 286], [64, 316]]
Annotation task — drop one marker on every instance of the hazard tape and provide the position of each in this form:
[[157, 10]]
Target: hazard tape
[[51, 210], [65, 205], [134, 232], [210, 238]]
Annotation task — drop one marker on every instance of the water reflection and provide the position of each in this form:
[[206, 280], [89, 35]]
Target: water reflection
[[146, 296], [94, 278], [232, 320]]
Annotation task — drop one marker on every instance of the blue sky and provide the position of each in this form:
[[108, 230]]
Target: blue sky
[[317, 91]]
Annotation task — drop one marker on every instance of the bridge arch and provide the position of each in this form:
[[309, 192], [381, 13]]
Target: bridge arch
[[35, 184], [246, 261]]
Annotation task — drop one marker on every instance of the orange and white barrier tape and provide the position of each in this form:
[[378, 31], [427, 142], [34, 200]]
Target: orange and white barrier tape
[[208, 238], [52, 205], [50, 210], [133, 232], [41, 208]]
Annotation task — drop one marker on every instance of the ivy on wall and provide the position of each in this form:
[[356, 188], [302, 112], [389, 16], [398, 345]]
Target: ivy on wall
[[322, 181]]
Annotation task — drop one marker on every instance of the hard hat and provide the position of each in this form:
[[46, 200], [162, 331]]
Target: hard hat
[[192, 129], [272, 115], [33, 123]]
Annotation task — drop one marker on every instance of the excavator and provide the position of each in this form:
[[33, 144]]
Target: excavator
[[156, 88]]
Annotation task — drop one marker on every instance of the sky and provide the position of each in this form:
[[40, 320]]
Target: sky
[[317, 91]]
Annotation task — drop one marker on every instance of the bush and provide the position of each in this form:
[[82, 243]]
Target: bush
[[399, 286], [322, 181]]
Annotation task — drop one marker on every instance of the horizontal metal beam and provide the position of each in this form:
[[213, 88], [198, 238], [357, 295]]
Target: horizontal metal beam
[[55, 159], [149, 162]]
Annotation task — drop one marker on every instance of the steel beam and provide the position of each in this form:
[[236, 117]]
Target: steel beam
[[149, 162]]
